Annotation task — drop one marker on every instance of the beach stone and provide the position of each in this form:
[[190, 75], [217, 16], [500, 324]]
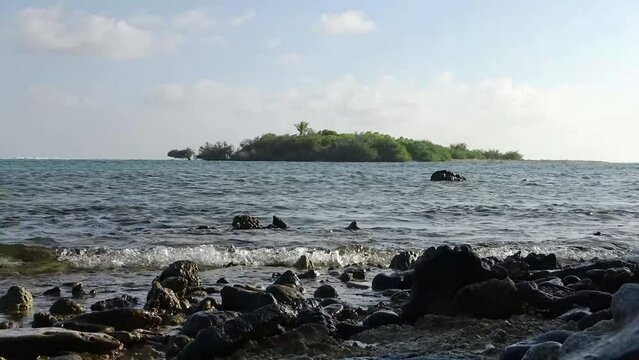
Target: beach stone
[[288, 278], [41, 320], [325, 291], [541, 261], [123, 301], [87, 327], [26, 343], [352, 226], [310, 274], [570, 279], [78, 291], [223, 340], [7, 325], [381, 317], [316, 316], [206, 304], [204, 319], [383, 281], [176, 283], [518, 351], [279, 223], [437, 277], [357, 285], [182, 268], [66, 307], [163, 300], [581, 269], [445, 175], [222, 281], [346, 329], [548, 350], [608, 340], [285, 294], [346, 277], [304, 263], [176, 344], [56, 291], [238, 299], [120, 319], [516, 267], [592, 299], [17, 300], [575, 314], [357, 272], [403, 261], [495, 299], [334, 309], [614, 278], [592, 319], [245, 222]]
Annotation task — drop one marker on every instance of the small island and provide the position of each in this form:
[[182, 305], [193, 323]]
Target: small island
[[330, 146]]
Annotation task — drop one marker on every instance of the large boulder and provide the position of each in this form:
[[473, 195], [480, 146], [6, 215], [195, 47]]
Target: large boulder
[[437, 277], [495, 299], [403, 261], [119, 319], [204, 319], [28, 343], [285, 294], [243, 300], [541, 261], [445, 175], [304, 263], [592, 299], [123, 301], [325, 291], [316, 316], [163, 300], [223, 340], [66, 307], [17, 300], [383, 281], [288, 278], [183, 268], [245, 222]]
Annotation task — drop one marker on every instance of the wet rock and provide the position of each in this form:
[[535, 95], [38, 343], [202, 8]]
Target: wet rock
[[581, 270], [205, 304], [592, 299], [357, 272], [570, 279], [128, 338], [222, 281], [316, 316], [66, 307], [518, 351], [529, 293], [495, 299], [17, 300], [237, 299], [204, 319], [162, 300], [176, 344], [55, 292], [28, 343], [120, 319], [548, 350], [86, 327], [279, 223], [346, 277], [575, 314], [7, 325], [123, 301], [516, 267], [285, 294], [437, 277], [445, 175], [357, 285], [592, 319], [182, 268], [176, 283], [346, 329], [400, 298], [310, 274], [403, 261], [78, 291], [304, 263], [325, 291], [288, 278], [352, 226], [614, 278], [219, 341], [383, 281], [541, 261], [334, 309], [245, 222], [583, 284], [41, 320], [381, 317], [499, 336]]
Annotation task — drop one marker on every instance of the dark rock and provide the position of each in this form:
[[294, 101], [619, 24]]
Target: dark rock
[[541, 261], [86, 327], [222, 281], [400, 297], [202, 227], [176, 283], [383, 281], [17, 300], [204, 319], [598, 233], [310, 274], [176, 344], [325, 291], [580, 270], [304, 263], [614, 278], [288, 278], [245, 222], [495, 299], [77, 291], [517, 268], [285, 294], [592, 299], [346, 277], [205, 304], [316, 316], [583, 284], [347, 329], [382, 317], [575, 314], [279, 223], [334, 309], [219, 341], [237, 299], [123, 301], [445, 175], [183, 268], [518, 350], [352, 226], [66, 307], [41, 320], [548, 350], [120, 319], [403, 261], [570, 279], [28, 343], [357, 285], [596, 275], [357, 272], [592, 319], [56, 291], [163, 300], [437, 277]]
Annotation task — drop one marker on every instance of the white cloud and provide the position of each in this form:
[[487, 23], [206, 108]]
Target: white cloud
[[273, 44], [237, 21], [193, 20], [288, 59], [54, 29], [347, 22]]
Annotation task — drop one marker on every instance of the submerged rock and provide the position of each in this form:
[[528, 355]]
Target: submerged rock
[[279, 223], [17, 300], [245, 222], [120, 319], [445, 175], [77, 291], [56, 291], [352, 226], [66, 307], [29, 343]]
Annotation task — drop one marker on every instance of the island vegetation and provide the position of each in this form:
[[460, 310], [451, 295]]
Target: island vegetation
[[187, 153], [328, 145]]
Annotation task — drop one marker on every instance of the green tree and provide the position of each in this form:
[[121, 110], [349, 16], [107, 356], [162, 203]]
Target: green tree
[[181, 154], [217, 151], [303, 128]]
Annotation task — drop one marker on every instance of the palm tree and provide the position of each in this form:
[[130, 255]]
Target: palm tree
[[302, 127]]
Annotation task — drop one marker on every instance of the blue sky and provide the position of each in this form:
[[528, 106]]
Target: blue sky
[[121, 79]]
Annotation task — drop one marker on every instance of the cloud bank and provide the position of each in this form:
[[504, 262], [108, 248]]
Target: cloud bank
[[347, 22]]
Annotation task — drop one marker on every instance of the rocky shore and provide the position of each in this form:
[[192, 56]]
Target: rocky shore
[[445, 303]]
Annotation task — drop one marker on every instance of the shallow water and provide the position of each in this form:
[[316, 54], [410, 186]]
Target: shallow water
[[100, 218]]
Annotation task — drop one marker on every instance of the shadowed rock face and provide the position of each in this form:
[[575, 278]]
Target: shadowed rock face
[[30, 343], [437, 277]]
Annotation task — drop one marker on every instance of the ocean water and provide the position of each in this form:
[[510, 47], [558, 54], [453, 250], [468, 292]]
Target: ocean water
[[114, 224]]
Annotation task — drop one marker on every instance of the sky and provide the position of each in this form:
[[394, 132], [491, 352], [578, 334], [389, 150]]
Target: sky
[[134, 79]]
